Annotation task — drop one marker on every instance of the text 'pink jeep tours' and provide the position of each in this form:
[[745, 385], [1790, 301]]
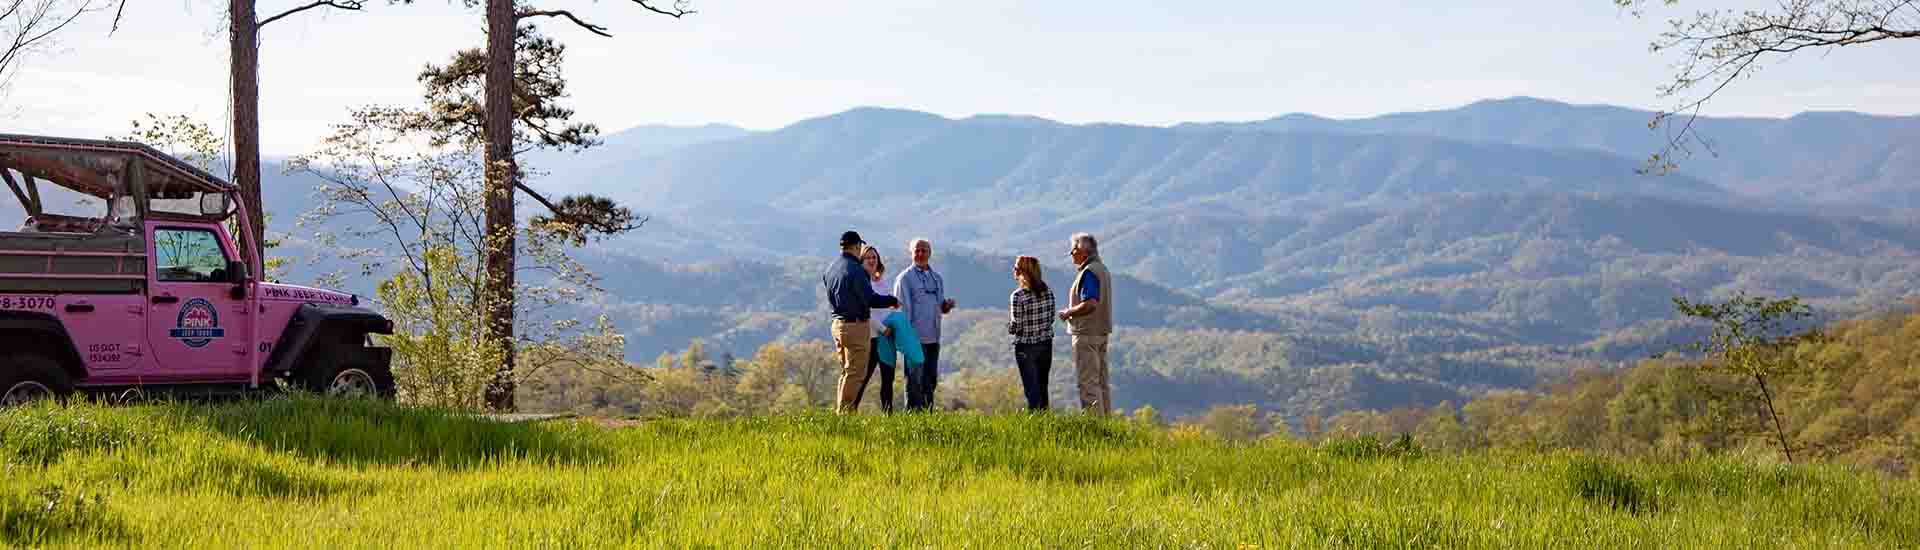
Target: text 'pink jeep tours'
[[155, 293]]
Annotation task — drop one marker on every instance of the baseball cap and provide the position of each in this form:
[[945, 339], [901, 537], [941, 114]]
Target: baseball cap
[[851, 237]]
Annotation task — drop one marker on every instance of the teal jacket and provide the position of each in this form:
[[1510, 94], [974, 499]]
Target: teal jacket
[[902, 340]]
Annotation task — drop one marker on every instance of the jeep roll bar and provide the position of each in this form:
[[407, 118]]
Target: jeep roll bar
[[106, 169]]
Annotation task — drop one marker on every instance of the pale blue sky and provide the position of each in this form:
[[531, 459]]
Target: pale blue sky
[[764, 64]]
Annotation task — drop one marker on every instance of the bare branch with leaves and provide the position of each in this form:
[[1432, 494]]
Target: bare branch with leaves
[[1717, 47]]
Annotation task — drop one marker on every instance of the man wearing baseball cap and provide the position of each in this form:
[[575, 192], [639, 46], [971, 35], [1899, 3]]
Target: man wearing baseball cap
[[851, 298]]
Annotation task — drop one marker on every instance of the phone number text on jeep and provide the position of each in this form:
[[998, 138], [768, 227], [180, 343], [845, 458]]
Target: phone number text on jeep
[[26, 302]]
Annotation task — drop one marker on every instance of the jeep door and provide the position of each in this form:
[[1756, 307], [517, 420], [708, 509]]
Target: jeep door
[[197, 328]]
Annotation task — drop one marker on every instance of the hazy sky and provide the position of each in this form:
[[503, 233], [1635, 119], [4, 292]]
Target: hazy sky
[[764, 64]]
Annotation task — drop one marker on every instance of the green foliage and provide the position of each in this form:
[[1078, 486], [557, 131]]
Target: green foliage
[[454, 115], [1751, 335], [1442, 429], [180, 135], [453, 93], [442, 355], [1854, 403], [1234, 423], [427, 209], [1148, 416], [1754, 338]]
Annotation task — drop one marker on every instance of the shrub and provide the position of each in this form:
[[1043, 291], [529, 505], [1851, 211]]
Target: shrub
[[1602, 482]]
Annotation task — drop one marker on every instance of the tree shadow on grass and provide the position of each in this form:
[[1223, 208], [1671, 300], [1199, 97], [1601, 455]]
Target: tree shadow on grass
[[52, 513], [363, 431]]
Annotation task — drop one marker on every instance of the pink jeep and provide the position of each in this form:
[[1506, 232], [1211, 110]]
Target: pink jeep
[[155, 293]]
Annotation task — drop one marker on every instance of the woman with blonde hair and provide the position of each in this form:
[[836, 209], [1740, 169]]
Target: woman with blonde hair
[[1030, 321], [878, 363]]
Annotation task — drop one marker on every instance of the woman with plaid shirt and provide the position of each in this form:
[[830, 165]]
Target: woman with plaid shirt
[[1030, 310]]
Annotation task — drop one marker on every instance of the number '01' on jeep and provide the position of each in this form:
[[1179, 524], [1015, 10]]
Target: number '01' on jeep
[[124, 275]]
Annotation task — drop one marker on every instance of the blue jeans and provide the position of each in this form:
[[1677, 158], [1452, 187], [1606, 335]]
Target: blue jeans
[[1035, 361], [922, 381]]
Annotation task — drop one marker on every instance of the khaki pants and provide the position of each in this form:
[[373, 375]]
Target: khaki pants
[[853, 342], [1090, 366]]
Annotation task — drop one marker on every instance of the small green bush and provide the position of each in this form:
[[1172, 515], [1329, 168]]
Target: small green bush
[[1604, 483], [1370, 446]]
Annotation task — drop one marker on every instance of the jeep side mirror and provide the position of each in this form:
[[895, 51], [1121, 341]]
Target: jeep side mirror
[[214, 204], [236, 272]]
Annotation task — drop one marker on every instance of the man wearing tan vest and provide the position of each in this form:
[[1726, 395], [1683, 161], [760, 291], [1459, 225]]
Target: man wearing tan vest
[[1089, 317]]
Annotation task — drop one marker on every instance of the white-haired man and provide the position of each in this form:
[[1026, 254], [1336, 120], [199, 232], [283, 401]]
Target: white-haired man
[[1089, 317], [923, 298]]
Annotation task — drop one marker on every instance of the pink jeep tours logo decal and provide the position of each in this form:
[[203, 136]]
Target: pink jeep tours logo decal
[[198, 324]]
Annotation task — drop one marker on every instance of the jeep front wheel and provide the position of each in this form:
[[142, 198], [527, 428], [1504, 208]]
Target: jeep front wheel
[[28, 378], [350, 379]]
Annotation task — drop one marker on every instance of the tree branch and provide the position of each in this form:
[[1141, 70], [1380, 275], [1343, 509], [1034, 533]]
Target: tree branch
[[542, 199], [590, 27], [1716, 48], [679, 8], [350, 5], [117, 13], [568, 216]]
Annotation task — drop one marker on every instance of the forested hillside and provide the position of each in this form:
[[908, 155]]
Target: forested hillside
[[1373, 263]]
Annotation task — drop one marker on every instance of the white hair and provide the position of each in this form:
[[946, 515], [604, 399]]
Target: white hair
[[916, 244], [1085, 241]]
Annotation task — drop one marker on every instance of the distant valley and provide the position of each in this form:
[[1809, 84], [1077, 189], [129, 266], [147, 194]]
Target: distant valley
[[1303, 263]]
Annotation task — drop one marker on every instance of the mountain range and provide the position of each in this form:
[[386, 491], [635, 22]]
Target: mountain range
[[1434, 254]]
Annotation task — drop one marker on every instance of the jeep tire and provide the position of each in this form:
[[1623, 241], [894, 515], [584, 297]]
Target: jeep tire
[[334, 377], [28, 377]]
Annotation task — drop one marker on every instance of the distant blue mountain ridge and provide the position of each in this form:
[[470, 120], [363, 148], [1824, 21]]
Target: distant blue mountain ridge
[[1509, 224]]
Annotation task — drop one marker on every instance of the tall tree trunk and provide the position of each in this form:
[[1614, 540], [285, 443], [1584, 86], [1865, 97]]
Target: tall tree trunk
[[244, 89], [501, 172]]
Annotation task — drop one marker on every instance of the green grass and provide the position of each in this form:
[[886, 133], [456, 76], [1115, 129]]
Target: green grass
[[309, 473]]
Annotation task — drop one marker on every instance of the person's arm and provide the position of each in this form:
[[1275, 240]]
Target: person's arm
[[1013, 313], [827, 280], [1090, 299], [879, 321], [946, 306], [1052, 302], [903, 290], [873, 299]]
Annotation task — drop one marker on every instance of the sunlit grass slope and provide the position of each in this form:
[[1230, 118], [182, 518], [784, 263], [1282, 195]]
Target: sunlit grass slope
[[310, 473]]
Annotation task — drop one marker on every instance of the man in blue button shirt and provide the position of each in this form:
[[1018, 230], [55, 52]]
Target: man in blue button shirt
[[851, 298], [923, 298]]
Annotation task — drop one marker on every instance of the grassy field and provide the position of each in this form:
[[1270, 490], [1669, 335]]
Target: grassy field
[[309, 473]]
